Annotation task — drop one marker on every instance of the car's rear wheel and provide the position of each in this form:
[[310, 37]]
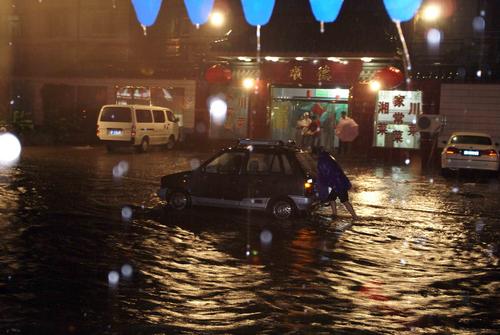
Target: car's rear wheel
[[144, 147], [179, 200], [171, 143], [282, 208]]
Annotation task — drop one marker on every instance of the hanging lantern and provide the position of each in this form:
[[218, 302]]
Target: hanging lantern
[[199, 10], [402, 10], [218, 74], [389, 77], [147, 11], [258, 13], [325, 11]]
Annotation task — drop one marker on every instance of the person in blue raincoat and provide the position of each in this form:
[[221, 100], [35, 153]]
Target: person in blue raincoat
[[332, 177]]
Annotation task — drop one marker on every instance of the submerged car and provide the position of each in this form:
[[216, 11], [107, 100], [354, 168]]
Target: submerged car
[[260, 175], [468, 150]]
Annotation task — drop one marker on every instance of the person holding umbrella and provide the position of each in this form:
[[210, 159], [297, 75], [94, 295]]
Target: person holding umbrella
[[347, 130]]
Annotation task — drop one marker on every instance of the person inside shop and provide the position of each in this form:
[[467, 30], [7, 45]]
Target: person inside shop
[[313, 133], [333, 184], [343, 146], [302, 125]]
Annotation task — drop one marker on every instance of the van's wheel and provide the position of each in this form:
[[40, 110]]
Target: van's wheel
[[282, 208], [171, 143], [144, 147], [179, 200]]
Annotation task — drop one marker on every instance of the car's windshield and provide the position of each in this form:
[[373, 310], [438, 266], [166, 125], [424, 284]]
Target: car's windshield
[[307, 162], [469, 139], [116, 114]]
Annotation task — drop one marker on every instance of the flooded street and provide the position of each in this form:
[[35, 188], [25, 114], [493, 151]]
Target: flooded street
[[86, 248]]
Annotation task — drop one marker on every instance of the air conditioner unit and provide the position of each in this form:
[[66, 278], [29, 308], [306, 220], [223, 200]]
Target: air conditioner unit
[[429, 123]]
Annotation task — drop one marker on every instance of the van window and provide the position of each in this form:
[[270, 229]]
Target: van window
[[170, 116], [143, 115], [159, 116], [116, 114]]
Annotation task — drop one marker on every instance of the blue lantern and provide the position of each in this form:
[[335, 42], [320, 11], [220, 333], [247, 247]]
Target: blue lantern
[[258, 13], [147, 11], [402, 10], [325, 11], [199, 10]]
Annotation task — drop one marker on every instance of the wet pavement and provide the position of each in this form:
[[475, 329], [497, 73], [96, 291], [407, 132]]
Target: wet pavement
[[87, 249]]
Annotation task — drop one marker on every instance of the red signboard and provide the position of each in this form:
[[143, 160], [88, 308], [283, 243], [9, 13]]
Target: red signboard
[[323, 72]]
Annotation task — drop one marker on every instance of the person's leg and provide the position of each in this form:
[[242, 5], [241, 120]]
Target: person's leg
[[350, 209], [334, 207], [344, 199]]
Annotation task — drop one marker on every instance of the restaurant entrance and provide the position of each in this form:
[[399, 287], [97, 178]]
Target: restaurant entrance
[[292, 109]]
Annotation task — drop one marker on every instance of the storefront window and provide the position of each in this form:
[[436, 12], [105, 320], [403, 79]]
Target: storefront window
[[396, 114], [289, 107]]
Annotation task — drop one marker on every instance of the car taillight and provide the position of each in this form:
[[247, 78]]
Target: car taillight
[[309, 187], [452, 151], [97, 131], [490, 153], [133, 132]]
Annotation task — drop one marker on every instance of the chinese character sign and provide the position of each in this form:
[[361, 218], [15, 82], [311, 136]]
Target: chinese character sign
[[396, 115]]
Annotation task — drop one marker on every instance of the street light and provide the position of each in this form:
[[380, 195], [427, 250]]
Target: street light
[[248, 83], [431, 12], [375, 85], [217, 19]]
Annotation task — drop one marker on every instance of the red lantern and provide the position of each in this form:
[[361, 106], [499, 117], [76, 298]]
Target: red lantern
[[389, 77], [218, 74]]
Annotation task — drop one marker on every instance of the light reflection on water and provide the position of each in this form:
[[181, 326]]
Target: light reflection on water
[[425, 262]]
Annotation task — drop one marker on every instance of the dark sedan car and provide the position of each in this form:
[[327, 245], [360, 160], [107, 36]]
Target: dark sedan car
[[262, 175]]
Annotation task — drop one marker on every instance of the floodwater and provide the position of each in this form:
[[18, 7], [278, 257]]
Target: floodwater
[[86, 249]]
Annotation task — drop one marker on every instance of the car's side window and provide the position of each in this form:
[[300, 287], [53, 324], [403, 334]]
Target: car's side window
[[263, 163], [286, 165], [143, 115], [170, 116], [159, 116], [227, 163]]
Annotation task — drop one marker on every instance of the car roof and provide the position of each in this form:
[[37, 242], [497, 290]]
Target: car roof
[[264, 145], [136, 106], [469, 133]]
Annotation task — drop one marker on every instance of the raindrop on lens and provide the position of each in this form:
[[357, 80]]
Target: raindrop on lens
[[126, 213], [113, 278], [431, 180], [407, 161], [454, 189], [478, 24], [123, 166], [266, 236], [10, 148], [126, 271], [434, 37]]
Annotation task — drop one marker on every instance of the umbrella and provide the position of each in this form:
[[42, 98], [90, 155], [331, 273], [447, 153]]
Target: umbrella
[[347, 130]]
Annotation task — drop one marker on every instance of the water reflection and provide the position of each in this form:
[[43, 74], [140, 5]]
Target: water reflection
[[428, 264]]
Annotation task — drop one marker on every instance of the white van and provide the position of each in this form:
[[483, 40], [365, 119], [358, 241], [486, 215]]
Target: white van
[[137, 125]]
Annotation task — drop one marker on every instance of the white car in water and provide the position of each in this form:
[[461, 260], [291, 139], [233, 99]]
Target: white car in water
[[469, 150]]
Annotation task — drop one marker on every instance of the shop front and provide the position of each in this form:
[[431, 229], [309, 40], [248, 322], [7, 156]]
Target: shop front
[[271, 98]]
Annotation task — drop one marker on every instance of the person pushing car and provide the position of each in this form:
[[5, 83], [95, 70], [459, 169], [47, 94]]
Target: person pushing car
[[331, 176]]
